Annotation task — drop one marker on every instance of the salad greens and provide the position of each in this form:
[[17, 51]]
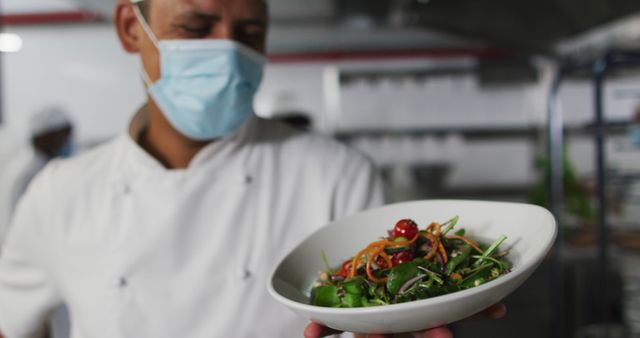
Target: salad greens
[[410, 264]]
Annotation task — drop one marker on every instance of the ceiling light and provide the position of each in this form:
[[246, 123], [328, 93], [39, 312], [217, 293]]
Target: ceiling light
[[10, 43]]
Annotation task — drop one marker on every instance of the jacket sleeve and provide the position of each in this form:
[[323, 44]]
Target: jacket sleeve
[[13, 186], [27, 291]]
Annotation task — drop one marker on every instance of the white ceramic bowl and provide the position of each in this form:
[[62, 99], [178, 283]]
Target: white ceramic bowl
[[531, 232]]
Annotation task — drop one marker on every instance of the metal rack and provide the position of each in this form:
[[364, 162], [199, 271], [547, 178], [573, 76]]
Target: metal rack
[[598, 67]]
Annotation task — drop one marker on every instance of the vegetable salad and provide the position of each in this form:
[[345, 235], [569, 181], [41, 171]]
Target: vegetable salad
[[410, 264]]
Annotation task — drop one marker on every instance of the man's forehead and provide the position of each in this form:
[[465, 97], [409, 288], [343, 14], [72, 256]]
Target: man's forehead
[[206, 5]]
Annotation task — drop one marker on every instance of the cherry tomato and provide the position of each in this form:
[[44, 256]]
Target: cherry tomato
[[345, 269], [401, 257], [405, 228]]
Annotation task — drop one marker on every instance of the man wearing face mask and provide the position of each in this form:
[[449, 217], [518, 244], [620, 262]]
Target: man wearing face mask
[[51, 133], [171, 229]]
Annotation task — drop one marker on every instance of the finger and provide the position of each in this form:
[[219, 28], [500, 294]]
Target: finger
[[315, 330], [495, 311], [362, 335], [438, 332]]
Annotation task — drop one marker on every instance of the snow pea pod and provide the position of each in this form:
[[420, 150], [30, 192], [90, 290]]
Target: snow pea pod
[[459, 259], [480, 277]]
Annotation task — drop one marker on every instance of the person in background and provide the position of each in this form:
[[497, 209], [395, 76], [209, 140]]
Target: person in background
[[172, 229], [634, 129], [51, 133], [297, 120]]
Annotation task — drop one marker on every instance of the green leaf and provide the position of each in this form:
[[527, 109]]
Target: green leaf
[[436, 290], [491, 249], [326, 296], [419, 261], [400, 275], [355, 286], [351, 300], [477, 278], [449, 225]]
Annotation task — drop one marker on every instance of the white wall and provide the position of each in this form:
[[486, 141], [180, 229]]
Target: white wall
[[292, 87], [81, 68], [35, 6]]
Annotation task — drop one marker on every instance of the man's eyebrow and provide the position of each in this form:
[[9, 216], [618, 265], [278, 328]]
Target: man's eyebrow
[[191, 15], [259, 22]]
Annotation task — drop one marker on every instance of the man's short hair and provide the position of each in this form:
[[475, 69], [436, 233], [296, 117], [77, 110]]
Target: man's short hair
[[145, 4]]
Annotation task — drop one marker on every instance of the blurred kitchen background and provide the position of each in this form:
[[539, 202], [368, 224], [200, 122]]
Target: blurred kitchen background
[[451, 98]]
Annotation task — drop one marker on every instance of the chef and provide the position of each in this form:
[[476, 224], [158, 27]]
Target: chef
[[171, 229], [51, 132]]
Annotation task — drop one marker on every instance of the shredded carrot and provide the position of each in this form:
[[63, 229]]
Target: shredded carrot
[[386, 258], [356, 260], [468, 241], [379, 247], [436, 226], [443, 252], [434, 247], [500, 254], [377, 243], [437, 259], [376, 249], [369, 273]]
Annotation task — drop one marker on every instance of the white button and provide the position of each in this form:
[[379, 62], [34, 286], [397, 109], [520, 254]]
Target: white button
[[245, 274], [123, 189], [246, 179], [119, 282]]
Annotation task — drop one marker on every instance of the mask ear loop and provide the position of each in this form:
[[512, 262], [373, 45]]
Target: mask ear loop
[[145, 77], [145, 25], [154, 39]]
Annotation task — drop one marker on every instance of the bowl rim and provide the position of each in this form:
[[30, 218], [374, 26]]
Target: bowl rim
[[530, 264]]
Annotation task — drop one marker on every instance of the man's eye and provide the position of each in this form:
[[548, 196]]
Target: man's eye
[[195, 30], [254, 31]]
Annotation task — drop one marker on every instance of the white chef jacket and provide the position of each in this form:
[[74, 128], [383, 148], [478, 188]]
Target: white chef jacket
[[136, 250], [14, 179]]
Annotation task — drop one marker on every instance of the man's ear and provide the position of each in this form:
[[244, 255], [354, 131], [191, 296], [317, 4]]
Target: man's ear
[[126, 23]]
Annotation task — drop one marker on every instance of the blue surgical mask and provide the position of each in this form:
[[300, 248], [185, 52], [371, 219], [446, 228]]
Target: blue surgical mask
[[68, 149], [206, 87], [634, 135]]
